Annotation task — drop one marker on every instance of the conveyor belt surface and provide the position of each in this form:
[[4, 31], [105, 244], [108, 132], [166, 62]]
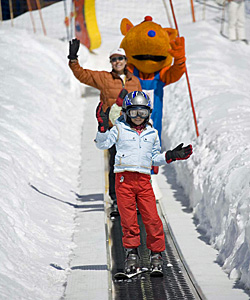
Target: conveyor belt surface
[[174, 285]]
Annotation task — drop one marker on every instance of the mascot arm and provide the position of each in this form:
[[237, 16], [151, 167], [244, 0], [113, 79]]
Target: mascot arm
[[174, 73]]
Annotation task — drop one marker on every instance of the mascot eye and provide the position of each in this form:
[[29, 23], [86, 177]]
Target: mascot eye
[[151, 33]]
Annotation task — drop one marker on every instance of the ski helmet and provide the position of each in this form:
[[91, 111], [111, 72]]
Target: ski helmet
[[136, 103]]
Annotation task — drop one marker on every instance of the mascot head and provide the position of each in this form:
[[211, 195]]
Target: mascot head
[[147, 44]]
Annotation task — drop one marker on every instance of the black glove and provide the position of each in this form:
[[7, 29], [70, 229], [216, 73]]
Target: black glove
[[73, 48], [179, 153], [121, 97], [102, 118]]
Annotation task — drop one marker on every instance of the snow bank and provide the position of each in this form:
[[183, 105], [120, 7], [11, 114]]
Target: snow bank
[[217, 176], [40, 131]]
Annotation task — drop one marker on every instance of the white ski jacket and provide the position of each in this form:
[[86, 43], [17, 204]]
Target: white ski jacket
[[135, 152]]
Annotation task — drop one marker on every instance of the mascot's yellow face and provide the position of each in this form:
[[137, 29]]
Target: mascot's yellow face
[[147, 44]]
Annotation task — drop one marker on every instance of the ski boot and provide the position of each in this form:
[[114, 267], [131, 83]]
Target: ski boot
[[156, 263], [131, 261]]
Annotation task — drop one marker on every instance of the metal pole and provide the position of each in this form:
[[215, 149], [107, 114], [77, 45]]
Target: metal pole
[[66, 15], [72, 16], [1, 14], [31, 16], [223, 19], [204, 10], [168, 15], [41, 17], [192, 9], [189, 88], [11, 12]]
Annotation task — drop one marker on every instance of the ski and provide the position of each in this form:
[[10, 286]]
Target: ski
[[122, 275]]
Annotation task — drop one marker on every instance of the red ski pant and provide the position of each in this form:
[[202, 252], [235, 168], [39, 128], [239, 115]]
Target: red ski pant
[[132, 188]]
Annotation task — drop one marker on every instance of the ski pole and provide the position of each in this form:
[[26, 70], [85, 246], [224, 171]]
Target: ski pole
[[189, 88]]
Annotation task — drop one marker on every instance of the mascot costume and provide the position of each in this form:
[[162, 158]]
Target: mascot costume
[[150, 50]]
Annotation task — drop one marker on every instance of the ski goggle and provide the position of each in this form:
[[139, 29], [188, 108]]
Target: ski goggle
[[140, 112], [114, 59]]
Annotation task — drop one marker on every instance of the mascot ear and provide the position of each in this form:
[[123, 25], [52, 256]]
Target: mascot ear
[[125, 26], [172, 33]]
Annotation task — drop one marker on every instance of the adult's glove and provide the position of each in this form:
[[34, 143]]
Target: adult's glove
[[73, 49], [178, 50], [102, 118], [121, 97], [179, 153]]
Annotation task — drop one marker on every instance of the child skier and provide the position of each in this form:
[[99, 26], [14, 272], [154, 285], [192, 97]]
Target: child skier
[[138, 147]]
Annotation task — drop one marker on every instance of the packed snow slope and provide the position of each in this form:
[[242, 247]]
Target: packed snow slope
[[39, 135], [40, 131]]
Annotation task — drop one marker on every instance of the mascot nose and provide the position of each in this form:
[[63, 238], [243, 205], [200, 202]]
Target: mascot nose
[[151, 33]]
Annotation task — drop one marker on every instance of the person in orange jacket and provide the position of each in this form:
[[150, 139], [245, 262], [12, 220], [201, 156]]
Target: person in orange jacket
[[112, 86]]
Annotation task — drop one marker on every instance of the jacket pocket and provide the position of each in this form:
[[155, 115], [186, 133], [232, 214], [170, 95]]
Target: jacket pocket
[[125, 159]]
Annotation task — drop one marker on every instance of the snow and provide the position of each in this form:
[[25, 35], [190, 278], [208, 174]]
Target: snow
[[217, 178], [40, 132]]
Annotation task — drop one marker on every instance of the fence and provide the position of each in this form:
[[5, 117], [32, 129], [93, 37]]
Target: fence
[[56, 18], [39, 16]]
